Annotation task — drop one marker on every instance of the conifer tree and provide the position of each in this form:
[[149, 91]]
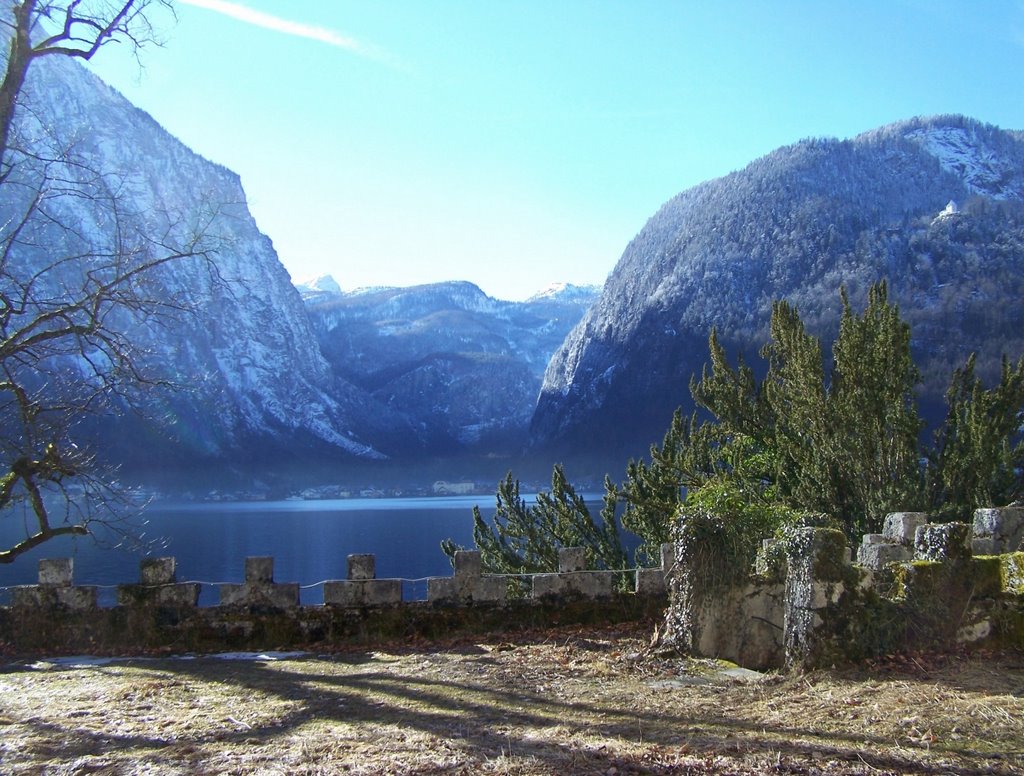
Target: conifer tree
[[978, 455], [525, 539]]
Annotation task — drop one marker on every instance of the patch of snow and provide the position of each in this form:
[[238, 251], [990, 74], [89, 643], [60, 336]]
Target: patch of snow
[[93, 661], [960, 153], [264, 656], [565, 292], [320, 286], [72, 661]]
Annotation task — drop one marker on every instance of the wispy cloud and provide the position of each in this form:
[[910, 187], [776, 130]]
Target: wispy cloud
[[286, 26]]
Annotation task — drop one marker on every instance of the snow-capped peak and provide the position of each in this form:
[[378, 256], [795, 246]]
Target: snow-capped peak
[[321, 285], [565, 291]]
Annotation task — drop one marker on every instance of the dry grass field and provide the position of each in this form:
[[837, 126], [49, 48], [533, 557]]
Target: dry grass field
[[562, 701]]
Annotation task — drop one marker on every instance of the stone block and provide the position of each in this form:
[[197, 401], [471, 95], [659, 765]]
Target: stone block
[[985, 546], [468, 563], [650, 581], [901, 527], [157, 571], [944, 542], [441, 590], [42, 597], [275, 596], [869, 539], [546, 585], [1003, 526], [56, 571], [571, 559], [259, 569], [877, 556], [467, 588], [362, 566], [383, 592], [363, 592], [178, 596], [585, 584]]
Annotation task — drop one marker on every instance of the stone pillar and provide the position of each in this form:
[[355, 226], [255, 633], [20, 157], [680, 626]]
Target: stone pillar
[[55, 588], [158, 586], [816, 580], [468, 584], [572, 579], [259, 588], [942, 596], [362, 588], [651, 581]]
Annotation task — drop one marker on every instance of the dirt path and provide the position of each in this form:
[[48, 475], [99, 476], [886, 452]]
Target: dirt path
[[557, 702]]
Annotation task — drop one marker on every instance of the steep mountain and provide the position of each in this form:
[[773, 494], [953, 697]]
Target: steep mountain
[[936, 206], [461, 367], [256, 387]]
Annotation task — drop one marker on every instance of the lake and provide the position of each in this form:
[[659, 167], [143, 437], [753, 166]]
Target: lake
[[308, 539]]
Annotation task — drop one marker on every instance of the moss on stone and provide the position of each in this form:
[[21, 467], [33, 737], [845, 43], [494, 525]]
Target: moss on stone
[[1011, 572]]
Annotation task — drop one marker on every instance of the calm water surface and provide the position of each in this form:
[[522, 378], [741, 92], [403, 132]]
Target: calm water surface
[[308, 539]]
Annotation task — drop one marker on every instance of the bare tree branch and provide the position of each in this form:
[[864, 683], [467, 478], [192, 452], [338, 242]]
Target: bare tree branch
[[80, 279]]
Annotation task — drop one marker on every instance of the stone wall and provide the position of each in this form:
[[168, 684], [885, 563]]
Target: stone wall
[[916, 585], [161, 613]]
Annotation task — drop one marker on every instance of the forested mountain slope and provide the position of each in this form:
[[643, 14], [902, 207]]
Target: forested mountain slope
[[933, 205]]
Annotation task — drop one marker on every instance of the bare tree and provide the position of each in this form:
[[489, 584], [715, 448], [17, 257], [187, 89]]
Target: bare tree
[[79, 276], [79, 29]]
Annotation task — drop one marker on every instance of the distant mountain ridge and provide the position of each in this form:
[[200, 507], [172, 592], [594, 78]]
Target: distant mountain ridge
[[797, 224], [409, 373], [463, 368]]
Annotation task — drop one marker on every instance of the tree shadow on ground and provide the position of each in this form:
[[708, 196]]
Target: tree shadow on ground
[[484, 722]]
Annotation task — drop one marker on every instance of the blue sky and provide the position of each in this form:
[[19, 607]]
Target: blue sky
[[520, 143]]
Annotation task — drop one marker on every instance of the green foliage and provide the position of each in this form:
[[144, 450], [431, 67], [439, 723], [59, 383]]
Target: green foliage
[[653, 492], [844, 443], [732, 512], [525, 539], [847, 446], [978, 456]]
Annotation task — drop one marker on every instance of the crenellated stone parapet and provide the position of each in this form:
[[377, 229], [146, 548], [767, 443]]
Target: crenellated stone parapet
[[573, 579], [55, 589], [160, 612], [362, 588], [468, 584], [259, 588], [158, 586]]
